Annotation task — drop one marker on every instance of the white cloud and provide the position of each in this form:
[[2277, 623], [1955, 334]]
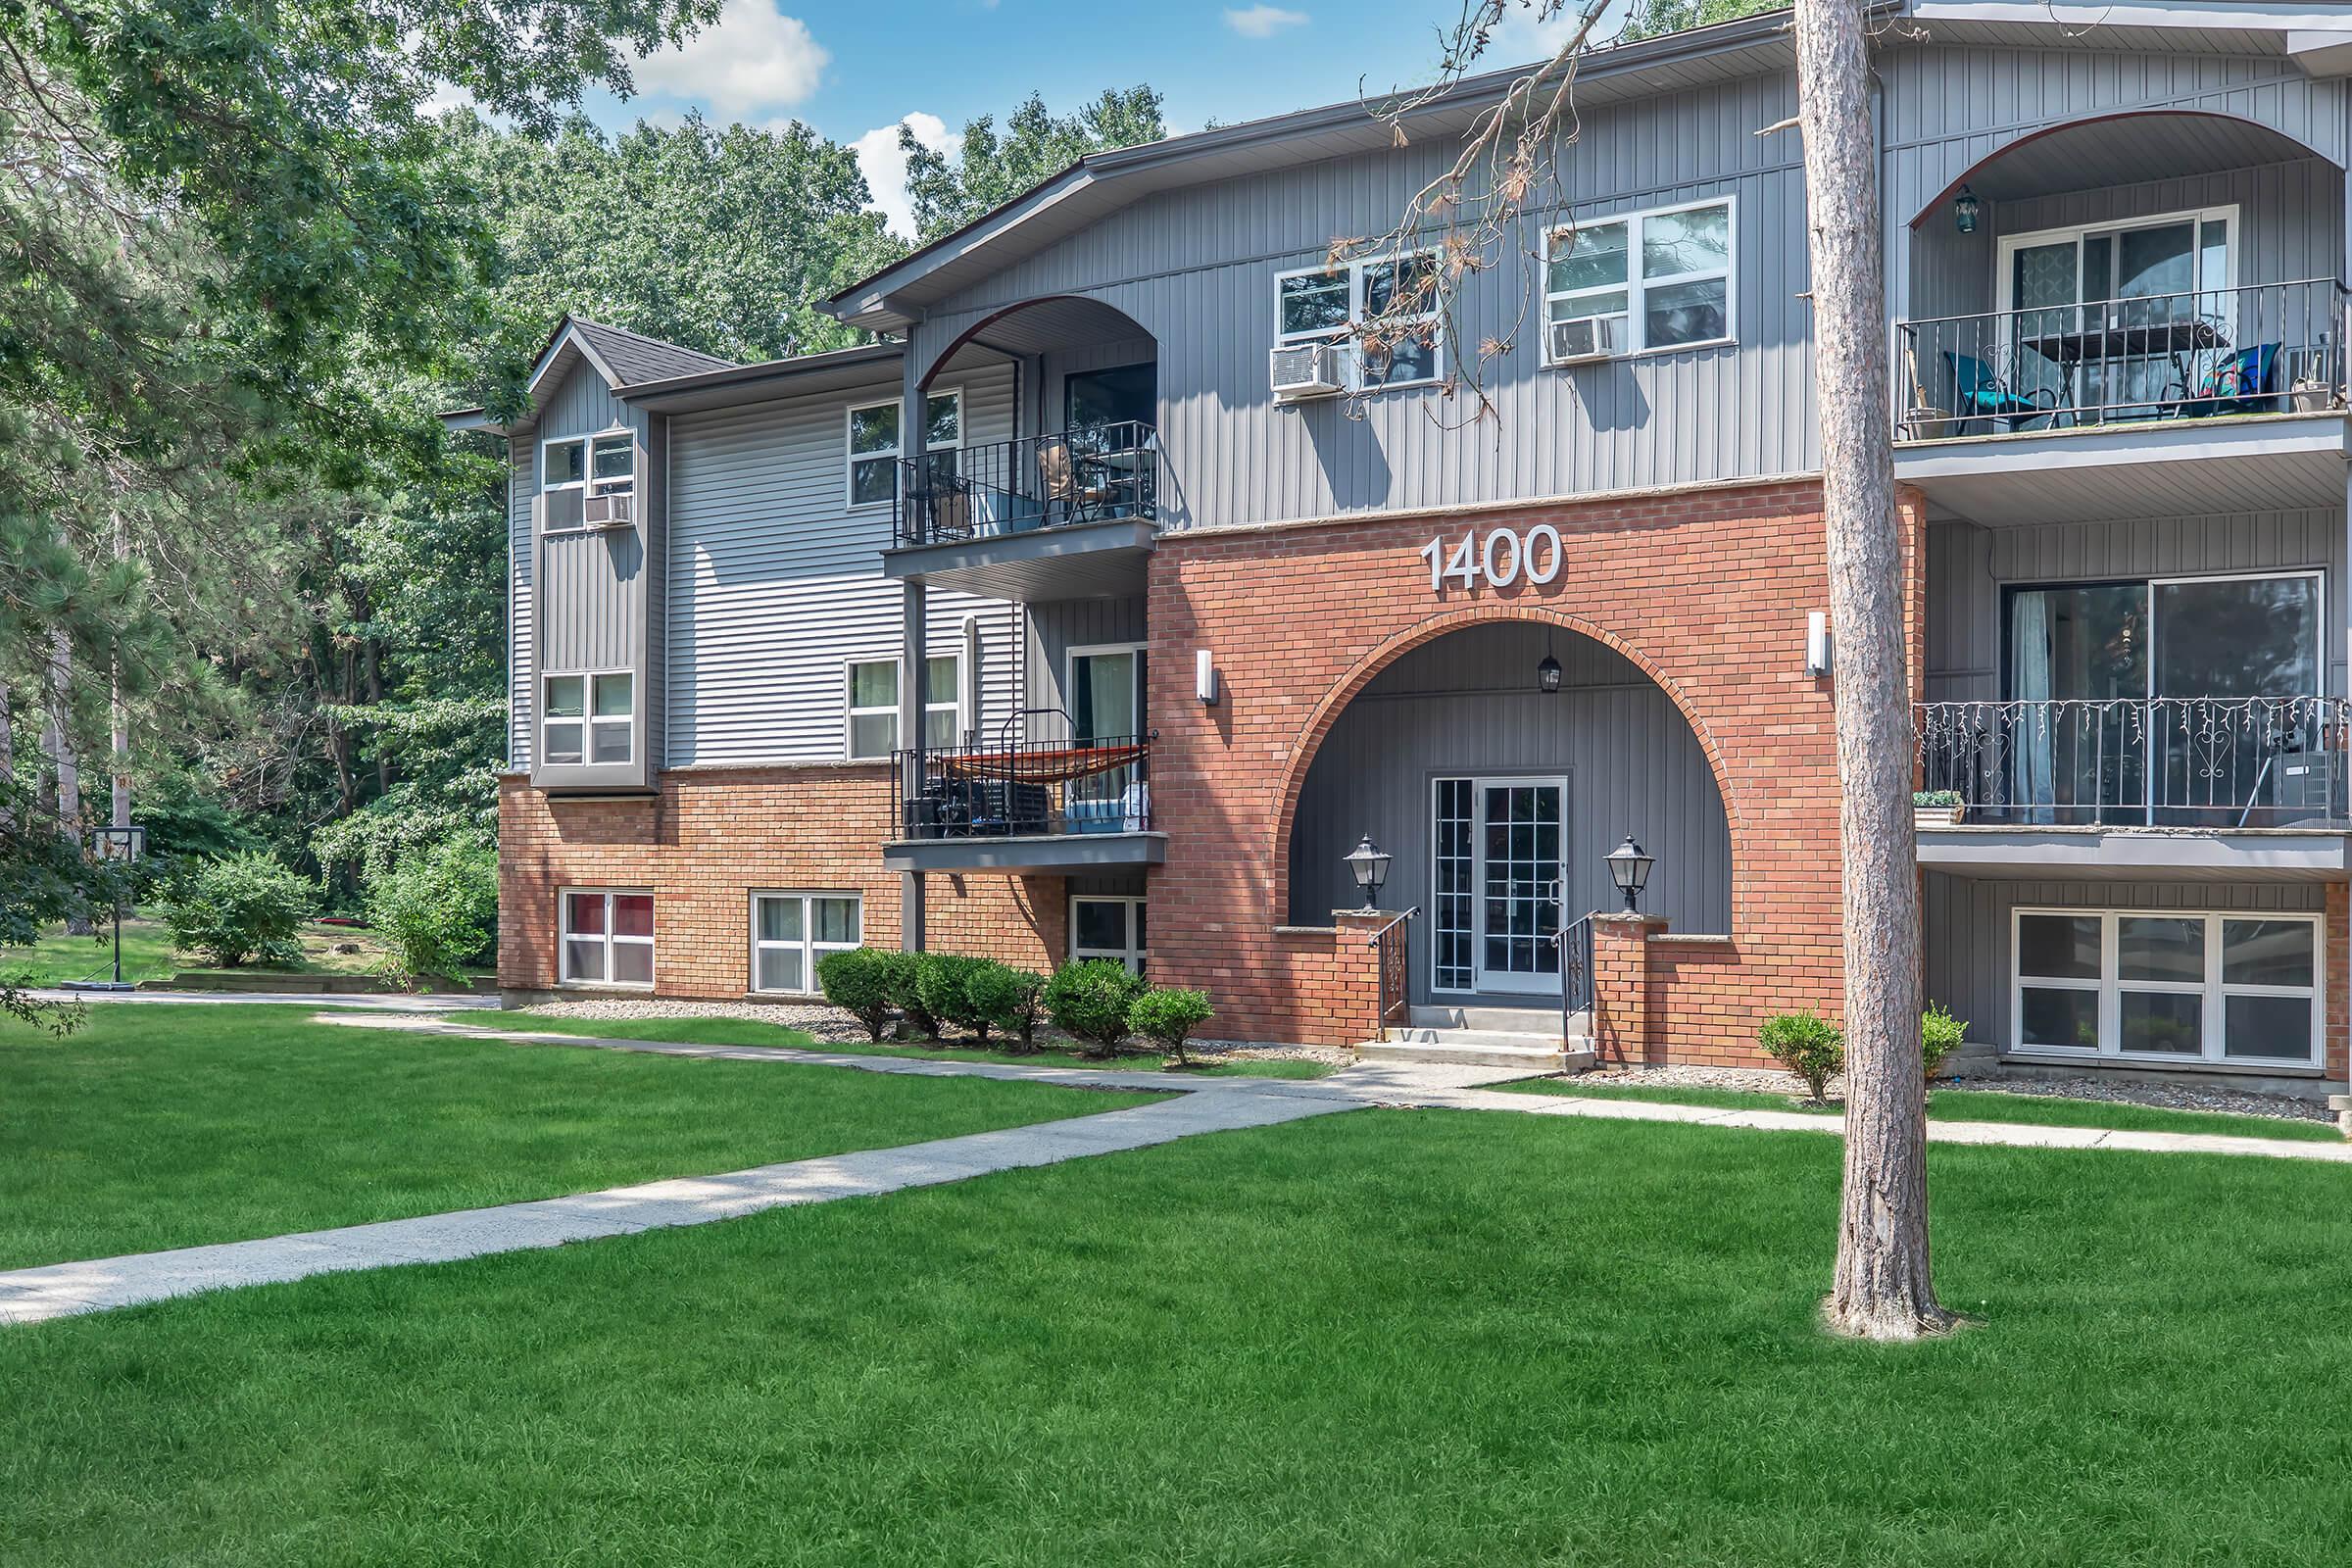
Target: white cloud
[[1520, 39], [1263, 22], [884, 166], [753, 58]]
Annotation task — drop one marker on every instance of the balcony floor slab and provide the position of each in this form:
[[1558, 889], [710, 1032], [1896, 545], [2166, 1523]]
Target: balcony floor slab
[[2092, 853], [1046, 852]]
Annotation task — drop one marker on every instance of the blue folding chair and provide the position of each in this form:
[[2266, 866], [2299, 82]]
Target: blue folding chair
[[1982, 395], [2246, 383]]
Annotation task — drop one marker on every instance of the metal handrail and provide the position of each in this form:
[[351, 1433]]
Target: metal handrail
[[1094, 473], [2192, 354], [1393, 964], [1575, 943], [2164, 762]]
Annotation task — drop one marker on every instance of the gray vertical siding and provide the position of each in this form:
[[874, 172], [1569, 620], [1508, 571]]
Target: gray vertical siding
[[1965, 923], [775, 582], [1968, 567], [1052, 630], [522, 600], [1466, 704]]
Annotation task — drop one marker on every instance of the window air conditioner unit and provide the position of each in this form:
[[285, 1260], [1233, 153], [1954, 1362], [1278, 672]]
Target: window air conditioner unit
[[608, 511], [1305, 370], [1584, 338]]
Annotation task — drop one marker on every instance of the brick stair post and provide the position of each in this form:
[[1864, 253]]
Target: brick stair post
[[1622, 1025]]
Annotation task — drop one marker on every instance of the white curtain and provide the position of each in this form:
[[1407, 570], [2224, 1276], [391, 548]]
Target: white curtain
[[2030, 633]]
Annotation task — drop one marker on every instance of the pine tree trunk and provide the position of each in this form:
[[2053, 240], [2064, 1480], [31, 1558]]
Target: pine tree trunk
[[1882, 1288], [57, 739], [7, 759]]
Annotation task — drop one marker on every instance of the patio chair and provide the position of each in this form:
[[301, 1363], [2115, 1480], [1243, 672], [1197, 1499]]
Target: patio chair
[[2246, 383], [1981, 394], [1073, 485]]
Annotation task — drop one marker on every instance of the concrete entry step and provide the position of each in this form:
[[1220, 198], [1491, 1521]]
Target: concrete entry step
[[1490, 1048], [1532, 1020]]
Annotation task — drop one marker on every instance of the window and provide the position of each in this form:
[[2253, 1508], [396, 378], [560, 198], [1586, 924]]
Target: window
[[589, 719], [873, 705], [575, 468], [607, 937], [792, 931], [1664, 277], [2156, 985], [1318, 305], [874, 445], [1109, 928]]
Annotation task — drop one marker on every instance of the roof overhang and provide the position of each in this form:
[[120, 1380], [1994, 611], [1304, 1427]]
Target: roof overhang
[[752, 384], [568, 336]]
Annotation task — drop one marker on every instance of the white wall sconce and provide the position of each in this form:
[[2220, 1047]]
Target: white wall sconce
[[1817, 643], [1204, 678]]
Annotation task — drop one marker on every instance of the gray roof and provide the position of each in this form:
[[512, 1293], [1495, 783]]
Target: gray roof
[[635, 358]]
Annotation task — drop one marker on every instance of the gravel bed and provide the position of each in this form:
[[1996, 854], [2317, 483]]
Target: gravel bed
[[2166, 1096], [832, 1026]]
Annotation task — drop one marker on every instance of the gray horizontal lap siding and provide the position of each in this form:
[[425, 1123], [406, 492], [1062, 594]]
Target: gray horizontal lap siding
[[1196, 267], [775, 582], [1969, 567], [1965, 922]]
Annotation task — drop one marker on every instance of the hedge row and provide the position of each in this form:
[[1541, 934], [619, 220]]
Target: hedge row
[[1097, 1002]]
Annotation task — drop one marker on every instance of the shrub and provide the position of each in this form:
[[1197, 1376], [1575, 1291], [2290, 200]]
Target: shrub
[[1939, 1035], [942, 979], [903, 975], [436, 909], [1090, 1000], [1930, 800], [239, 908], [857, 982], [1168, 1016], [1011, 999], [1808, 1044]]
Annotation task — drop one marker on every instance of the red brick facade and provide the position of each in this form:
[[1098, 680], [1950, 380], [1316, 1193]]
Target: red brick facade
[[710, 837], [1706, 591]]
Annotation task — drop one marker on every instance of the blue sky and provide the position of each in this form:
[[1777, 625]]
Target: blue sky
[[855, 70]]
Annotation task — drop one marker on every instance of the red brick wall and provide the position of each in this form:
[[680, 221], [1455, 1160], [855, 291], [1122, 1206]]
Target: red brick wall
[[708, 839], [1706, 591]]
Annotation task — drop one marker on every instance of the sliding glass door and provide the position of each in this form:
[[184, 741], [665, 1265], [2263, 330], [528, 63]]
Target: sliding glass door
[[2108, 317]]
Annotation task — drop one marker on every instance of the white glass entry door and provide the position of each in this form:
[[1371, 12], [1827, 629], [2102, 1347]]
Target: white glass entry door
[[1499, 841]]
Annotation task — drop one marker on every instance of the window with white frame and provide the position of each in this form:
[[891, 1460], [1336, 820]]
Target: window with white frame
[[1107, 928], [792, 931], [1663, 278], [607, 937], [872, 694], [589, 718], [573, 468], [1332, 305], [874, 445], [2162, 985]]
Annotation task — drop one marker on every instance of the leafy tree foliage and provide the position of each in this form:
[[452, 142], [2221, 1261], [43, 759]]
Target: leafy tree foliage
[[989, 169], [1648, 18]]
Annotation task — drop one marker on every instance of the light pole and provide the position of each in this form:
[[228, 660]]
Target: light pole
[[124, 844]]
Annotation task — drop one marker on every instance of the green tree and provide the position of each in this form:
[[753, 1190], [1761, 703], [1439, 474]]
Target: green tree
[[1648, 18], [989, 169]]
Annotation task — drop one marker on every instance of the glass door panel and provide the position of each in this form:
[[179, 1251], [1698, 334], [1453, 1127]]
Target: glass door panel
[[2080, 657], [1518, 879], [1453, 888], [2232, 744], [2043, 289]]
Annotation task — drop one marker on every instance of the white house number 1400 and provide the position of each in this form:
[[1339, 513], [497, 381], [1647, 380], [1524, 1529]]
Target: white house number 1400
[[1500, 558]]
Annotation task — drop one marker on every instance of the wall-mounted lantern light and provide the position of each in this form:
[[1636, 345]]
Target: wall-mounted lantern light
[[1817, 643], [1204, 678], [1629, 868], [1370, 863], [1548, 673], [1965, 208]]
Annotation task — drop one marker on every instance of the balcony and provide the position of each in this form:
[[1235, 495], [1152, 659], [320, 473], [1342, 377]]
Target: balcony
[[2167, 404], [2237, 788], [1016, 805], [1070, 516]]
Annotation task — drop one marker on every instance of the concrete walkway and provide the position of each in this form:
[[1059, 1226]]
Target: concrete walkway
[[1202, 1105]]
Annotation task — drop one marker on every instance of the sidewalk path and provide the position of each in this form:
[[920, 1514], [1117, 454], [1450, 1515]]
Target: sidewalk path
[[1200, 1105]]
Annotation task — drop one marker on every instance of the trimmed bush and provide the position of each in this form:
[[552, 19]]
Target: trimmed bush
[[436, 909], [940, 979], [1939, 1035], [857, 982], [1090, 1000], [905, 972], [239, 908], [1168, 1016], [1011, 999], [1808, 1044]]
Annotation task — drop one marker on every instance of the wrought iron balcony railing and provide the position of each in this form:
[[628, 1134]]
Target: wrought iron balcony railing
[[2170, 761], [1091, 475], [2268, 348], [1015, 788]]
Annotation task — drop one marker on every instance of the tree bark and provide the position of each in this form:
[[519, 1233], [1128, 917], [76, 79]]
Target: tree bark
[[7, 759], [118, 715], [56, 741], [1882, 1288]]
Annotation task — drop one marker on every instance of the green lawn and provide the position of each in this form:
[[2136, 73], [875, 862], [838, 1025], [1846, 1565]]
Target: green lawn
[[749, 1031], [1960, 1105], [159, 1126], [147, 954], [1382, 1338]]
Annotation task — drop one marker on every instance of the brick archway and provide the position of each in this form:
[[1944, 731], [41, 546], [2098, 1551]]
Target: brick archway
[[1441, 623]]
